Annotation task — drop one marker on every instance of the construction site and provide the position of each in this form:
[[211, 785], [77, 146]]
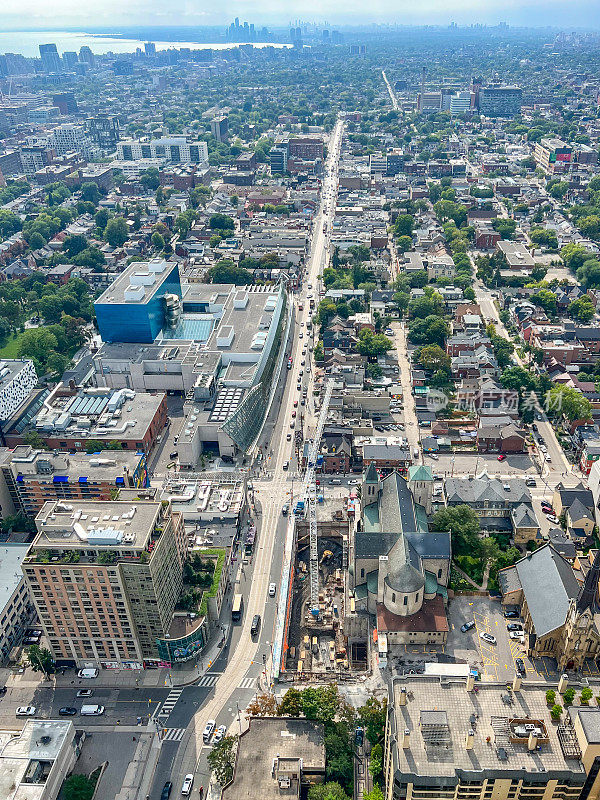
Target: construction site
[[315, 643]]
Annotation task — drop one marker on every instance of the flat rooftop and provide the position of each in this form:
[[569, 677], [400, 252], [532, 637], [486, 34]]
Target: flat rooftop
[[269, 741], [439, 717], [90, 523], [39, 741], [138, 283], [41, 465], [11, 558], [99, 414], [221, 499], [9, 368]]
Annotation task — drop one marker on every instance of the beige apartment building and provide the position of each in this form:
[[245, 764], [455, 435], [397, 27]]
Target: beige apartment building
[[105, 578], [449, 740]]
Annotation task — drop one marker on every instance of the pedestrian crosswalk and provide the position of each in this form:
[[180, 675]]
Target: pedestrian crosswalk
[[169, 703], [209, 679], [173, 734], [247, 683]]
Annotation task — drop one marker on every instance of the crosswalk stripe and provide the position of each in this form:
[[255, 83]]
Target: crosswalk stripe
[[169, 703], [247, 683], [208, 680], [174, 735]]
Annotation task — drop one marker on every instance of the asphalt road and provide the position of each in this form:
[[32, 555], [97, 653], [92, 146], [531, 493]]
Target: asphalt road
[[235, 685]]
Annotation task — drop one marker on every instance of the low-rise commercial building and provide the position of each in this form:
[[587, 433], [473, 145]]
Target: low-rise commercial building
[[33, 477], [443, 740], [16, 608], [277, 756], [35, 760]]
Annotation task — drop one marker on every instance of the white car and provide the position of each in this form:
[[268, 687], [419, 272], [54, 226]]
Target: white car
[[208, 730], [219, 734], [25, 711], [272, 589], [552, 518], [487, 637], [186, 786], [516, 635]]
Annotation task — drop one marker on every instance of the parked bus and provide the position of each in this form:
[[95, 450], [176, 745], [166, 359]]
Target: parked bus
[[237, 608]]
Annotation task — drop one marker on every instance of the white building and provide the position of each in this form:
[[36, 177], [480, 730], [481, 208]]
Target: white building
[[460, 103], [35, 761], [176, 149], [16, 608], [69, 137], [17, 378]]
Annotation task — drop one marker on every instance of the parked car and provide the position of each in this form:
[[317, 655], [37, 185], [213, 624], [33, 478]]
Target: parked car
[[85, 693], [26, 711], [467, 626], [67, 711], [511, 614], [520, 665], [272, 589], [530, 482], [501, 457], [186, 787], [487, 637], [219, 734], [514, 626], [209, 730], [552, 518], [516, 635]]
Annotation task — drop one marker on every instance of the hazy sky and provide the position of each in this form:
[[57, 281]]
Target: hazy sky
[[111, 13]]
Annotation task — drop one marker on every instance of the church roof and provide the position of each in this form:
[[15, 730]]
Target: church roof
[[405, 574], [371, 475], [588, 596], [420, 472], [549, 584]]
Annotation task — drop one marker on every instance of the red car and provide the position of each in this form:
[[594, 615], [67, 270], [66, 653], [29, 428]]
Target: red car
[[501, 457], [293, 413], [295, 403]]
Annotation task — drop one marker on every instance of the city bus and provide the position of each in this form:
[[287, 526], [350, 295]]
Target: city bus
[[238, 605]]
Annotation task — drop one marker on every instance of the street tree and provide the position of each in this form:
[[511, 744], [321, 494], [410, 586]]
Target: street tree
[[221, 759], [40, 660]]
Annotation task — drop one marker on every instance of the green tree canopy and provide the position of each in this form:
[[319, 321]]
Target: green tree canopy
[[570, 402], [463, 524], [116, 232]]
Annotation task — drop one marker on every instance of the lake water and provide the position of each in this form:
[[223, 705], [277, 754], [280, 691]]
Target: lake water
[[27, 43]]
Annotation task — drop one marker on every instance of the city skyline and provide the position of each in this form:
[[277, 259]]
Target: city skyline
[[580, 13]]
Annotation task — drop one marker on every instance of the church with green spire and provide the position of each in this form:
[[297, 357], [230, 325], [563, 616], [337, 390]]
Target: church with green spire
[[399, 570]]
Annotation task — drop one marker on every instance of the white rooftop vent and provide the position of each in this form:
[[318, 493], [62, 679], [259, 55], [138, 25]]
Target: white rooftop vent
[[134, 293], [225, 336], [157, 265], [142, 279], [240, 300]]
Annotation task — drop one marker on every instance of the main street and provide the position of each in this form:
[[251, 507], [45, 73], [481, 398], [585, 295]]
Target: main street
[[245, 659]]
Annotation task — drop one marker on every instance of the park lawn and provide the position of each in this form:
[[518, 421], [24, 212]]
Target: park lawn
[[11, 347]]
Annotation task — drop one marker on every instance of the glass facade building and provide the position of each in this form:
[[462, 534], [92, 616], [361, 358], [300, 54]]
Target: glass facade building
[[244, 425], [123, 320]]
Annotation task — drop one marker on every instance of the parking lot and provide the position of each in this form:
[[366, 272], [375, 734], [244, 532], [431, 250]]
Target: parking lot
[[460, 464], [495, 662]]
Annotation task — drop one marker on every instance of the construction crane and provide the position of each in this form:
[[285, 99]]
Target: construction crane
[[307, 505]]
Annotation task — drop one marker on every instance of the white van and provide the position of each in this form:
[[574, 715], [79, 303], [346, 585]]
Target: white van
[[91, 711], [415, 452], [88, 673]]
